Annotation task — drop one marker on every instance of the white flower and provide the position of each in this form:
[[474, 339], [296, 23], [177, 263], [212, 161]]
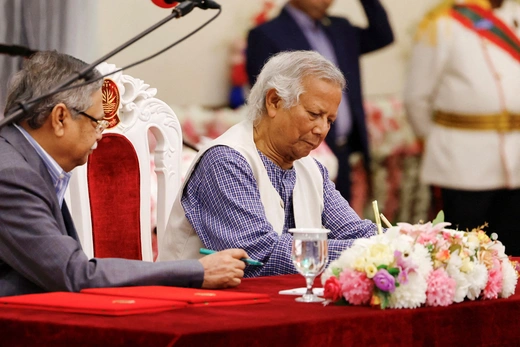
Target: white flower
[[348, 257], [477, 280], [360, 263], [422, 258], [402, 243], [467, 265], [410, 295], [500, 248], [510, 279], [472, 242], [392, 233], [453, 269]]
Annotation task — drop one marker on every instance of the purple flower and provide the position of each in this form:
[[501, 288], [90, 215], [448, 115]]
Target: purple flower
[[384, 281]]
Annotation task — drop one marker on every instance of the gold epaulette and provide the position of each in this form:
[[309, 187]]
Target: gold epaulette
[[503, 122], [427, 29]]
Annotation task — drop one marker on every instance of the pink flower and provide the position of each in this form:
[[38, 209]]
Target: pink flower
[[494, 284], [441, 288], [424, 233], [440, 226], [405, 266], [356, 286], [427, 238], [332, 289], [413, 230], [402, 277]]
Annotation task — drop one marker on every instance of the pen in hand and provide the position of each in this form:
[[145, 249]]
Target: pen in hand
[[245, 260]]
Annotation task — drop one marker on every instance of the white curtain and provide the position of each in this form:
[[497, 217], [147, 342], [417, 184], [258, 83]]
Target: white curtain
[[68, 26]]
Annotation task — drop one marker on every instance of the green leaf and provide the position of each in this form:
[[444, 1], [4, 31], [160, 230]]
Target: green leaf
[[336, 271], [384, 301], [454, 248], [342, 302], [382, 266], [393, 271], [439, 218]]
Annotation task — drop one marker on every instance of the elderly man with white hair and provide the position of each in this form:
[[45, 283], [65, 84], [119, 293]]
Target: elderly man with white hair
[[246, 188]]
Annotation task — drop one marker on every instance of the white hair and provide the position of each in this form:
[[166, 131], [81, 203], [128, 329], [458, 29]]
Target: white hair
[[285, 72]]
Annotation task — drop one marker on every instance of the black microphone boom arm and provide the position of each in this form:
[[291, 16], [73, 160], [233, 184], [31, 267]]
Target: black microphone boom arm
[[16, 113]]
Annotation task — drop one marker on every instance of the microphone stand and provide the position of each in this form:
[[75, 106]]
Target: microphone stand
[[180, 10]]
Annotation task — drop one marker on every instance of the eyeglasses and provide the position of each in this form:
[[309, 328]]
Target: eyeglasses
[[102, 124]]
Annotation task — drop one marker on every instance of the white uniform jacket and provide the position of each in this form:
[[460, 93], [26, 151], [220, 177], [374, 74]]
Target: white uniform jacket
[[458, 73]]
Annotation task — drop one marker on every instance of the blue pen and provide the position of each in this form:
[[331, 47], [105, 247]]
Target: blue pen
[[245, 260]]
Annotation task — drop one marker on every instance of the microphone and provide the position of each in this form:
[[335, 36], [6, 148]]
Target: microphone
[[205, 4], [15, 50], [165, 3], [202, 4]]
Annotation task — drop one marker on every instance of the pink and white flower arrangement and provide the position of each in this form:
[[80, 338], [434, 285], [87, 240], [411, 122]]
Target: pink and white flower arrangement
[[424, 264]]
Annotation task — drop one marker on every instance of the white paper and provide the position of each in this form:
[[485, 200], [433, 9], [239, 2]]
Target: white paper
[[301, 291]]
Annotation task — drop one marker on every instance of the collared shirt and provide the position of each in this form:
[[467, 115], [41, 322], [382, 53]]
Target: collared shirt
[[222, 202], [60, 178], [320, 43]]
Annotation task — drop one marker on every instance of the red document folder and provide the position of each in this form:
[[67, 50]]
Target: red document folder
[[89, 303], [194, 297]]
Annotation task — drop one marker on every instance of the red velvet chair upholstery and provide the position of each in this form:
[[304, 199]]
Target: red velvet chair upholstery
[[110, 196]]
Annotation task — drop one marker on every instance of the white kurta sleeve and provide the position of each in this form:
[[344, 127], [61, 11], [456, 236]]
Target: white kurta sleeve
[[425, 69]]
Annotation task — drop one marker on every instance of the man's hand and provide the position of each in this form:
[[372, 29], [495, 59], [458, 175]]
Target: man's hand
[[223, 269]]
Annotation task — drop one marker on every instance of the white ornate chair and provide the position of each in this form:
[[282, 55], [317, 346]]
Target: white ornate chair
[[110, 196]]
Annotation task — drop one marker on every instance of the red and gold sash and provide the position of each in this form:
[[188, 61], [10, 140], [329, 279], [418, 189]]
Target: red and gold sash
[[487, 25]]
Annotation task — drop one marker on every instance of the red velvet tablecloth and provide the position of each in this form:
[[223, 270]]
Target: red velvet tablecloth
[[282, 322]]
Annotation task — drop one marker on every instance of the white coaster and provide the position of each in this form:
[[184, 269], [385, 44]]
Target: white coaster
[[301, 291]]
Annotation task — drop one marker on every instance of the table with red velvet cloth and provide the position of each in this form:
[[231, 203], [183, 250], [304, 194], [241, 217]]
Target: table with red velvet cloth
[[282, 322]]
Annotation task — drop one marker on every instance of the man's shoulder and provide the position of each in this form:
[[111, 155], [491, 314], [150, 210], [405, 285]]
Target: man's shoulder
[[19, 162], [8, 153], [337, 24], [220, 164], [14, 148], [282, 19], [335, 20], [279, 21], [221, 154]]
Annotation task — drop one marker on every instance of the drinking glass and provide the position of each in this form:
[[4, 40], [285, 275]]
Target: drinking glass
[[310, 254]]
